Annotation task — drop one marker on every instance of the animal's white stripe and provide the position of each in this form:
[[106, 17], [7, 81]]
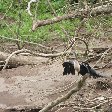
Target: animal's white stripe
[[76, 65]]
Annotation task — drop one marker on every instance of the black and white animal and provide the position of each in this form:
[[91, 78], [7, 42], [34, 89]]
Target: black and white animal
[[89, 1], [73, 65]]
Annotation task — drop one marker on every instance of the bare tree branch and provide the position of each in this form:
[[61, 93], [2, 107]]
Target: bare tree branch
[[29, 5], [20, 60], [78, 13], [27, 42], [67, 96]]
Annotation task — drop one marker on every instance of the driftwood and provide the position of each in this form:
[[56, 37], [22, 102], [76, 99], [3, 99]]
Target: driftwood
[[104, 9]]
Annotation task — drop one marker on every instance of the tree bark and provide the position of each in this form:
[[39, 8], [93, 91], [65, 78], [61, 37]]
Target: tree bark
[[19, 60], [104, 9], [79, 85]]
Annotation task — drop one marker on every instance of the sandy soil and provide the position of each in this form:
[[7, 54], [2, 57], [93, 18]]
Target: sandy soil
[[39, 85], [32, 85]]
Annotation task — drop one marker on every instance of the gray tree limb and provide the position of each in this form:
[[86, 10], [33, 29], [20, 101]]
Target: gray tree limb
[[104, 9], [67, 96]]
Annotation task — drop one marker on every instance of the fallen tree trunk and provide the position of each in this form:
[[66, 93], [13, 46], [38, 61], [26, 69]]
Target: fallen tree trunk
[[19, 60], [104, 9], [23, 108]]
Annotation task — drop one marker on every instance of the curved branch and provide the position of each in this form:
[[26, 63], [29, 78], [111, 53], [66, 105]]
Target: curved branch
[[29, 5], [7, 60], [87, 48]]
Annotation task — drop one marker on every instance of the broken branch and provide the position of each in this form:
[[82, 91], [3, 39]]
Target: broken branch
[[107, 9], [103, 55], [67, 96]]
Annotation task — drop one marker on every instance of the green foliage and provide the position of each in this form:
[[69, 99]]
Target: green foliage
[[11, 9], [10, 24]]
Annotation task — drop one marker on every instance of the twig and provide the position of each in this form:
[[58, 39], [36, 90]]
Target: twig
[[103, 55], [101, 103], [29, 5], [67, 96], [19, 25], [53, 11], [39, 45], [55, 14], [71, 45], [94, 107], [87, 48], [7, 10], [82, 108], [77, 32]]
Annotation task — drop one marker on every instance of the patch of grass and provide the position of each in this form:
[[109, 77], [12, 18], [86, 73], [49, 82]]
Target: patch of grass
[[43, 12], [44, 33]]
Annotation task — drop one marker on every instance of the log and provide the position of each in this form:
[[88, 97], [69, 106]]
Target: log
[[83, 13], [24, 108], [100, 50], [19, 60]]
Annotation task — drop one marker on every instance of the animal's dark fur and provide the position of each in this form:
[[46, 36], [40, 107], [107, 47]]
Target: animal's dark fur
[[88, 1], [84, 68], [68, 68]]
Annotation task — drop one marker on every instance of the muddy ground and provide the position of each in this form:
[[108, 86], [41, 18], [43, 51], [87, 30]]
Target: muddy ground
[[36, 86]]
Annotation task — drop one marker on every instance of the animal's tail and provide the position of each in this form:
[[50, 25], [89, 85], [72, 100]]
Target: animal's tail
[[95, 74]]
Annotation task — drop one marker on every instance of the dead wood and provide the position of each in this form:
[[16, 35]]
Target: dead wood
[[18, 60], [93, 58], [104, 9], [99, 50], [14, 59], [67, 96], [24, 108], [103, 55], [86, 44]]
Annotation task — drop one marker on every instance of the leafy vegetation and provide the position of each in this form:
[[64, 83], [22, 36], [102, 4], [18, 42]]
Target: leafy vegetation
[[15, 13], [11, 10]]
